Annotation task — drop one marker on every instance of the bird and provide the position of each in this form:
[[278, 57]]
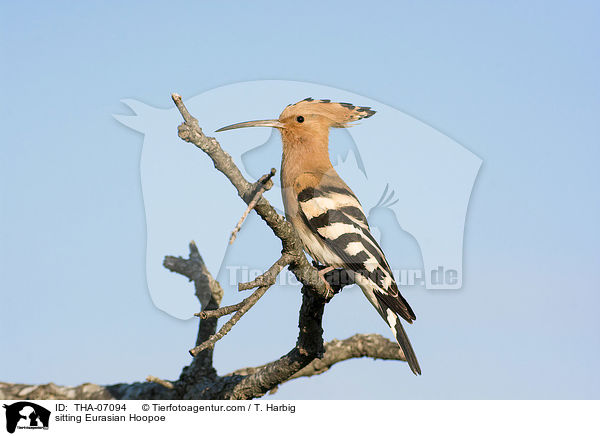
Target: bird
[[327, 215]]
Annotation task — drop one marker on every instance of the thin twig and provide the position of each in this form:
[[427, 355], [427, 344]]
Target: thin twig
[[265, 184], [269, 277], [160, 381], [266, 280], [182, 109], [222, 311], [248, 303]]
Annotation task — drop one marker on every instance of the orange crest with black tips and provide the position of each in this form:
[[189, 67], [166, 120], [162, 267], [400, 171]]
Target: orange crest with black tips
[[337, 114]]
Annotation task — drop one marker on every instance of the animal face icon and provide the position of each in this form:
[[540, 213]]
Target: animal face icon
[[383, 209], [420, 219], [400, 245], [26, 414]]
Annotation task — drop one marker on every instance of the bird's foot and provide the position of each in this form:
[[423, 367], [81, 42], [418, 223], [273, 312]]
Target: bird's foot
[[322, 273], [335, 279]]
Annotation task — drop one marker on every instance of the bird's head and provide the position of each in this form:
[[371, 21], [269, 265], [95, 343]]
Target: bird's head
[[309, 118]]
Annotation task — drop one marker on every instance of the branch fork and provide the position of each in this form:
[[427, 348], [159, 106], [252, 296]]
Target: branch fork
[[264, 184]]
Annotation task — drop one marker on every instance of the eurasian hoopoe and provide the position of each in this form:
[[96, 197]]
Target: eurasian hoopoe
[[325, 212]]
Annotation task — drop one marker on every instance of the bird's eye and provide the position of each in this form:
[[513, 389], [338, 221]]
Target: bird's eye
[[300, 119]]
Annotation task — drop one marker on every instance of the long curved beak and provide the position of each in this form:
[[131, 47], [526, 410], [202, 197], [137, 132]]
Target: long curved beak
[[257, 123]]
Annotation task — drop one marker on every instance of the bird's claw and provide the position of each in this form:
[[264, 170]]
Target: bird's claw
[[322, 273]]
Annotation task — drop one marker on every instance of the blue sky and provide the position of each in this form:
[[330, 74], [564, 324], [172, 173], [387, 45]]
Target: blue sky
[[514, 83]]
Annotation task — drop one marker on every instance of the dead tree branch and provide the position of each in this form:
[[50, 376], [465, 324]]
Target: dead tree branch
[[210, 294], [167, 384], [199, 380], [245, 307], [191, 132], [218, 313], [359, 345], [335, 351], [310, 339], [264, 282], [265, 184]]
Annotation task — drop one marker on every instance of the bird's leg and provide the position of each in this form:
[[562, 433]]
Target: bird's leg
[[334, 282], [322, 273]]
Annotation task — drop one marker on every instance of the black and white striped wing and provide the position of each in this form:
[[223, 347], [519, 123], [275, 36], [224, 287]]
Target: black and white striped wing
[[336, 216]]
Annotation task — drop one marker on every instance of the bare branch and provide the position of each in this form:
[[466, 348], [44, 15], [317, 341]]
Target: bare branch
[[199, 380], [372, 346], [86, 391], [160, 381], [247, 304], [182, 109], [191, 132], [195, 270], [308, 347], [263, 282], [210, 294], [265, 184], [314, 290], [360, 345], [266, 279], [269, 277], [218, 313]]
